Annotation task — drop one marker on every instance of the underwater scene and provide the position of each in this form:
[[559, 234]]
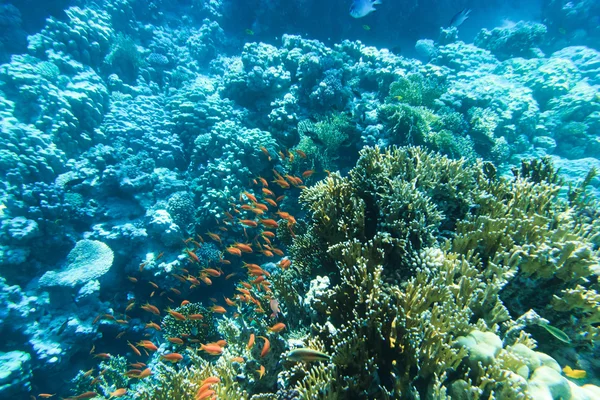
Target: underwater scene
[[300, 199]]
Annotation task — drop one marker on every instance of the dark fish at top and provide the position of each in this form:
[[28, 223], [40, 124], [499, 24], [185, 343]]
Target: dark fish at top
[[362, 8], [460, 17]]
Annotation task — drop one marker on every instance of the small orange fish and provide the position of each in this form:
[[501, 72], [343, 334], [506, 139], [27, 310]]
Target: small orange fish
[[206, 280], [172, 357], [135, 350], [150, 308], [177, 315], [184, 302], [249, 222], [307, 174], [104, 356], [212, 272], [195, 317], [234, 251], [152, 325], [214, 236], [229, 302], [212, 349], [46, 395], [300, 153], [250, 196], [245, 248], [250, 342], [261, 371], [238, 359], [148, 345], [145, 373], [267, 192], [132, 279], [271, 202], [218, 309], [118, 393], [86, 395], [230, 276], [277, 327], [266, 347], [285, 263], [221, 343], [205, 394], [268, 234], [271, 223], [175, 340], [159, 256]]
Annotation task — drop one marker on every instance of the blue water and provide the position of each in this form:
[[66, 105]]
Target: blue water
[[300, 203]]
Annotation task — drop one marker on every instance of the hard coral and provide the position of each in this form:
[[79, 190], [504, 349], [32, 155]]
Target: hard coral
[[422, 250]]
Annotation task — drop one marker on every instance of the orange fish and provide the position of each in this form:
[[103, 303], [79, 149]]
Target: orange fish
[[86, 395], [265, 152], [132, 279], [234, 251], [277, 327], [271, 223], [152, 325], [175, 340], [148, 345], [218, 309], [230, 276], [204, 394], [249, 222], [214, 236], [250, 342], [267, 192], [308, 173], [150, 308], [271, 202], [195, 317], [268, 234], [118, 393], [238, 359], [277, 251], [212, 272], [250, 196], [46, 395], [206, 279], [285, 263], [177, 315], [145, 373], [261, 206], [192, 256], [104, 356], [212, 349], [229, 302], [243, 247], [184, 302], [261, 371], [172, 357], [135, 350], [266, 346]]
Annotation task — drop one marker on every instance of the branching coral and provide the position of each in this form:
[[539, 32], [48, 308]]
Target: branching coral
[[422, 250]]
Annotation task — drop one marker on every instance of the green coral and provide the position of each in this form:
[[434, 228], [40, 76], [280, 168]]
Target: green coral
[[422, 250]]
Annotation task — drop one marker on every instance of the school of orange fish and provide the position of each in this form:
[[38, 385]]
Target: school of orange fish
[[255, 216]]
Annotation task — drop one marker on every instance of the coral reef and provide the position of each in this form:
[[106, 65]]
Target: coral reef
[[157, 156]]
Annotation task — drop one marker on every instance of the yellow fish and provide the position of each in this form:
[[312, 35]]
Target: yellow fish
[[574, 373]]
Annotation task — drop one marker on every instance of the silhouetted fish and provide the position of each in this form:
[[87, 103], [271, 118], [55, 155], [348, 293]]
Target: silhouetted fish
[[460, 17], [362, 8]]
